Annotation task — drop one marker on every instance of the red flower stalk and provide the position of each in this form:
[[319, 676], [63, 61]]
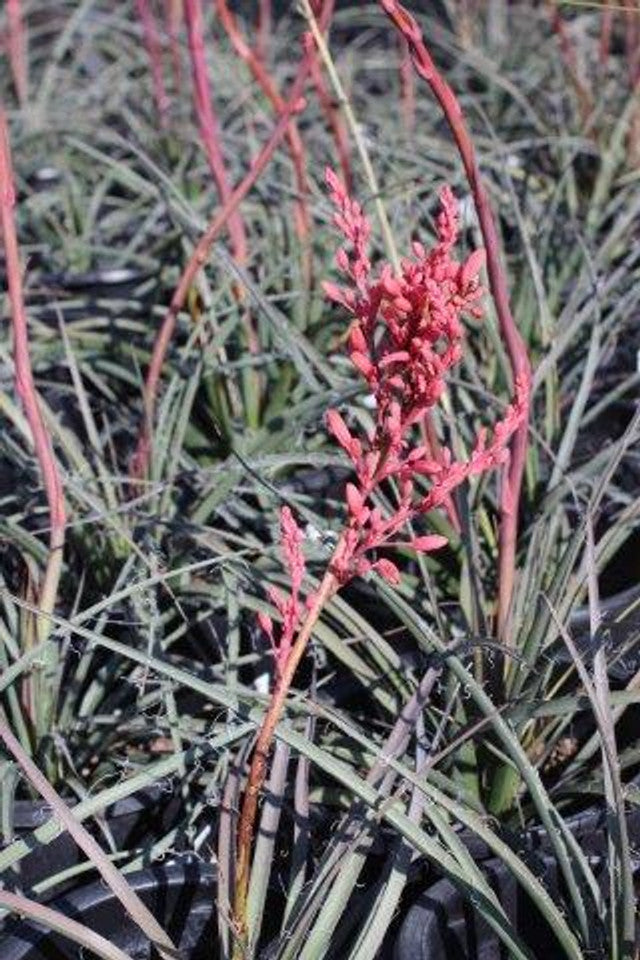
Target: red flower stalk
[[405, 336], [26, 388], [154, 52], [212, 141], [208, 122], [17, 49], [407, 87], [518, 357]]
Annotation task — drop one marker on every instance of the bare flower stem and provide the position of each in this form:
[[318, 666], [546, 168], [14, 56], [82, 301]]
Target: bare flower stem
[[518, 357], [212, 142], [258, 768], [407, 87], [198, 259], [208, 122], [26, 389]]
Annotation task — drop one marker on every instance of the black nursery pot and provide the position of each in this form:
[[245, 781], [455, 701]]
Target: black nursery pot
[[181, 897], [131, 822], [441, 924]]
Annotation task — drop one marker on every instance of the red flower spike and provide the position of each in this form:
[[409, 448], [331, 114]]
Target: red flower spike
[[407, 334]]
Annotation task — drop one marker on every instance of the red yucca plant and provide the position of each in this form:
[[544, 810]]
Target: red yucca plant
[[518, 357], [406, 335]]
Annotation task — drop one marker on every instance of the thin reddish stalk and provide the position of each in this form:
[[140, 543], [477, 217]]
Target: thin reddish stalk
[[212, 141], [518, 357], [332, 115], [25, 385], [17, 49], [208, 123], [264, 27], [585, 99], [154, 52], [296, 147], [258, 768], [407, 87], [198, 259], [173, 17]]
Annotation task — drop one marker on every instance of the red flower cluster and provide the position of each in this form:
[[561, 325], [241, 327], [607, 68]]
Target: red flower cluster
[[405, 337]]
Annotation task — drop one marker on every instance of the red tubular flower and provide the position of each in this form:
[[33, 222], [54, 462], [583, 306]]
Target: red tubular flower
[[406, 335]]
